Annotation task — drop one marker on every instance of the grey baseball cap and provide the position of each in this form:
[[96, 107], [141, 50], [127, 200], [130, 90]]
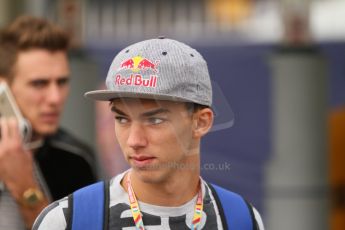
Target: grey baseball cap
[[160, 69]]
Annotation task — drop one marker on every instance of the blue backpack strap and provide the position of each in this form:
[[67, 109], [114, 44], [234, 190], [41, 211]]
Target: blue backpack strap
[[236, 213], [89, 207]]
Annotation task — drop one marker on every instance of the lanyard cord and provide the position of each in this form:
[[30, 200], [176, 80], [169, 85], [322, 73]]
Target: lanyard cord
[[137, 216]]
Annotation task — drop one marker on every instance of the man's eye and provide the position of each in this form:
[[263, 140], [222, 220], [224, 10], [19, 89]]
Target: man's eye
[[38, 84], [121, 120], [155, 121], [63, 82]]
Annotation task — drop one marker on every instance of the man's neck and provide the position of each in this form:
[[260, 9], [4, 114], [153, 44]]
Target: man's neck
[[175, 191], [35, 136]]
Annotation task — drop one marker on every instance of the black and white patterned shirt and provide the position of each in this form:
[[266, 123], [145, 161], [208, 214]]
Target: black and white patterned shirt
[[56, 216]]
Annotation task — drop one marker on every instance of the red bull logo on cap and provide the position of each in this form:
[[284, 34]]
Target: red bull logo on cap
[[138, 65]]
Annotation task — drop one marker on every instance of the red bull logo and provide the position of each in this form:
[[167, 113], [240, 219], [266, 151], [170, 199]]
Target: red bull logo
[[136, 80], [138, 63]]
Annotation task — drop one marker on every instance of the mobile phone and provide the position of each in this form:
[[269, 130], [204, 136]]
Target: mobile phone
[[9, 108]]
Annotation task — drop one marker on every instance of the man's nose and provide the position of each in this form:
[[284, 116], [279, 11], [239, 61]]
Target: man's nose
[[136, 137], [54, 94]]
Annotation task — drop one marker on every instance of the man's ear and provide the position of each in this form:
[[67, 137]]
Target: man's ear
[[203, 120]]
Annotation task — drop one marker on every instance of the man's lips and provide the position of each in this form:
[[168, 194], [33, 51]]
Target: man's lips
[[50, 117], [141, 161]]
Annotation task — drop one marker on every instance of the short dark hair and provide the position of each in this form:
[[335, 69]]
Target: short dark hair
[[194, 107], [25, 33]]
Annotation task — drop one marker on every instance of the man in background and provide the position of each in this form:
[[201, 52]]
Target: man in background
[[34, 64]]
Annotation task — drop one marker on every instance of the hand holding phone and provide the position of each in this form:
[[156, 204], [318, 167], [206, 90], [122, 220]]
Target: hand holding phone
[[9, 108]]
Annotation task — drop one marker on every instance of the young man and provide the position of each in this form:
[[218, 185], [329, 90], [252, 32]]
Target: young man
[[161, 96], [34, 64]]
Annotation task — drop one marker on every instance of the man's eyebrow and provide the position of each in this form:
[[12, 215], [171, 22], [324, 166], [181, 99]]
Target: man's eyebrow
[[146, 114], [113, 109], [155, 112], [47, 79], [64, 78], [40, 79]]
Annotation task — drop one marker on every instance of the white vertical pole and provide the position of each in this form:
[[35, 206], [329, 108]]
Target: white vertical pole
[[297, 172]]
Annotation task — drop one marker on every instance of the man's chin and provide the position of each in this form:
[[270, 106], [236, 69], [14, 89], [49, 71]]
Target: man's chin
[[150, 176], [45, 131]]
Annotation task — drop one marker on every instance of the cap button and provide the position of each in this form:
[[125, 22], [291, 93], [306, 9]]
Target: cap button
[[161, 37]]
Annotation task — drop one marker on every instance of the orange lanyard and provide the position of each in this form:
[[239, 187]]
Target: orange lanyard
[[137, 216]]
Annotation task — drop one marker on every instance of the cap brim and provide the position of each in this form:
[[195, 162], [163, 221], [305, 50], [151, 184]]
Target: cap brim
[[108, 95]]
